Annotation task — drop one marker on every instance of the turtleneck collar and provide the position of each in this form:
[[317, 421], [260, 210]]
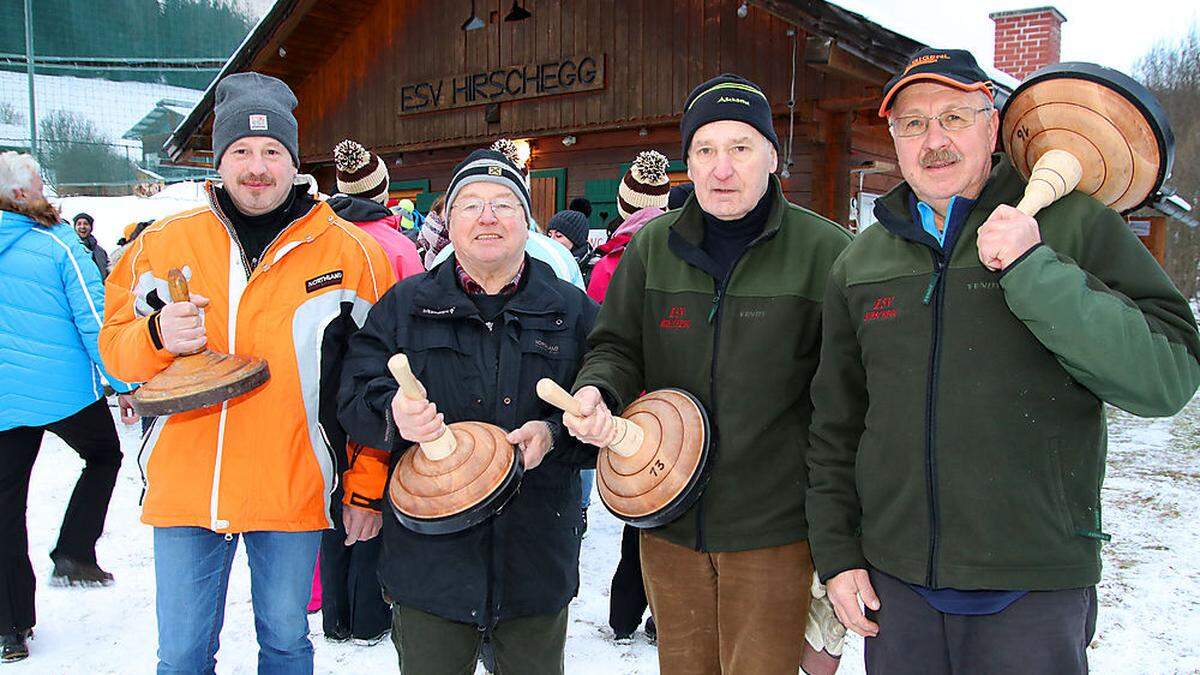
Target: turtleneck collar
[[725, 240]]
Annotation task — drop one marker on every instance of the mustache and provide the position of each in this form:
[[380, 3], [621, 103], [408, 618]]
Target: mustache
[[256, 178], [940, 156]]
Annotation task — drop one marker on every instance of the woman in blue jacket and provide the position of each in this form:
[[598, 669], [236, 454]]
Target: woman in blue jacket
[[51, 378]]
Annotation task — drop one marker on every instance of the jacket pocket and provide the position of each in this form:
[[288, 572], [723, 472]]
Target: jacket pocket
[[446, 369], [1081, 514], [1058, 486]]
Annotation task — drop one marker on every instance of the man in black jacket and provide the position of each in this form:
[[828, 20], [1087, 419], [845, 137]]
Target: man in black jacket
[[480, 330]]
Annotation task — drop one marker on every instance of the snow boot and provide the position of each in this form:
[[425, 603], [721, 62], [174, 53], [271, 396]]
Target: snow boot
[[69, 572], [13, 646]]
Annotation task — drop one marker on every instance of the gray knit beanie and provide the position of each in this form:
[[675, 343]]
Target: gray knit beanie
[[253, 104]]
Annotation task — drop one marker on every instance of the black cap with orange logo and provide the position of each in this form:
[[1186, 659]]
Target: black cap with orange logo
[[951, 67]]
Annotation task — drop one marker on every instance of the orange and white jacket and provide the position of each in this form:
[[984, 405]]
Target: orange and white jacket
[[269, 459]]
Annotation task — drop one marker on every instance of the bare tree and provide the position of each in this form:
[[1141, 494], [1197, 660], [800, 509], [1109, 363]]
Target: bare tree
[[74, 152], [1172, 72]]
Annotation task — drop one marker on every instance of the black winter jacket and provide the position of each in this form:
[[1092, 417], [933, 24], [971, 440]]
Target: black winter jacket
[[524, 560]]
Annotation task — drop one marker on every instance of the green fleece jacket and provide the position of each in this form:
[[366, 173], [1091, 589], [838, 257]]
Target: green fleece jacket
[[746, 346], [959, 436]]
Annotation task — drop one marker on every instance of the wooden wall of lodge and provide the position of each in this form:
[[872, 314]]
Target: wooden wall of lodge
[[655, 53], [604, 163]]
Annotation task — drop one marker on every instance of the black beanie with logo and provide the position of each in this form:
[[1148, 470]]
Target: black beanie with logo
[[727, 97]]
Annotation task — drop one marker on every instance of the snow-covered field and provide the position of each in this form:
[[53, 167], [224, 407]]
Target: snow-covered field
[[1150, 597], [112, 214]]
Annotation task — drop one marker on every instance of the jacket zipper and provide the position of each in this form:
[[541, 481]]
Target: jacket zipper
[[216, 207], [489, 614], [714, 317], [933, 292], [215, 522], [486, 619]]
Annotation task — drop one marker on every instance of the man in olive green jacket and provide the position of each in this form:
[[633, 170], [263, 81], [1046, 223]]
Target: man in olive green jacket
[[722, 298], [958, 437]]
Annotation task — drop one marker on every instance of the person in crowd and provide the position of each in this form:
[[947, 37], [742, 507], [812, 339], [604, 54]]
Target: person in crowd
[[410, 219], [582, 205], [679, 195], [968, 351], [433, 238], [508, 580], [703, 300], [641, 197], [83, 227], [570, 229], [350, 598], [273, 274], [51, 379], [537, 244], [362, 186], [610, 252]]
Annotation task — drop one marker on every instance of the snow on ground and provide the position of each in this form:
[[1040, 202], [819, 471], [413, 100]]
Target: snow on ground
[[112, 214], [1150, 596]]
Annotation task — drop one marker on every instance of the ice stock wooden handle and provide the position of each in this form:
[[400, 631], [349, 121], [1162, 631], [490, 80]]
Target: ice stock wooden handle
[[629, 435], [1054, 174], [440, 447], [178, 285]]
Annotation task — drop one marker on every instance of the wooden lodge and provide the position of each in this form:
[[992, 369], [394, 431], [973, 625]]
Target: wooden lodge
[[589, 83]]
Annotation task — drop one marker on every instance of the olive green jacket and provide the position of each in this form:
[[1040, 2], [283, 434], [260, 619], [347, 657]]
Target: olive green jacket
[[959, 436], [746, 347]]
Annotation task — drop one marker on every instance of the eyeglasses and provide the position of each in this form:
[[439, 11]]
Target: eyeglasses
[[472, 209], [955, 119]]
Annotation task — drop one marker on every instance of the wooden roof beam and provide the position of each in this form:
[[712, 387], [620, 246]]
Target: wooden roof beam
[[824, 54]]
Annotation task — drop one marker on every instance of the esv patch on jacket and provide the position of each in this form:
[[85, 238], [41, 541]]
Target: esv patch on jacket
[[883, 309], [676, 319], [325, 280]]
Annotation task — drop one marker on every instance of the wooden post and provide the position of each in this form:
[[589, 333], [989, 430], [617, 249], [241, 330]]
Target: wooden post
[[1152, 230], [831, 168]]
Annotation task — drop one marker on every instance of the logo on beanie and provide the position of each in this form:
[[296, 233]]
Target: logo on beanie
[[258, 123], [732, 99], [495, 171]]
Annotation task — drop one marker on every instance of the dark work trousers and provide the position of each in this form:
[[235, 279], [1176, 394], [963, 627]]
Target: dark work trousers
[[91, 433], [352, 604], [1045, 632], [627, 598], [427, 644]]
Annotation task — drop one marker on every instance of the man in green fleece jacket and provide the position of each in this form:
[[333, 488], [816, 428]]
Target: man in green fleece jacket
[[958, 437], [722, 298]]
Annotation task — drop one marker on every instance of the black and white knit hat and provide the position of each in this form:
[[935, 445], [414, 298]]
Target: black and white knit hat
[[360, 172], [487, 166], [508, 148], [645, 184]]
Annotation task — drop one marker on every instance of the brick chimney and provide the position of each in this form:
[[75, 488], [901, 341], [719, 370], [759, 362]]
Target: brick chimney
[[1027, 39]]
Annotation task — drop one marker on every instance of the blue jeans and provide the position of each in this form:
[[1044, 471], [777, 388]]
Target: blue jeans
[[588, 477], [191, 570]]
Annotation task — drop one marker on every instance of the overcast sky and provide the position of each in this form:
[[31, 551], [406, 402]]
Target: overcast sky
[[1108, 32]]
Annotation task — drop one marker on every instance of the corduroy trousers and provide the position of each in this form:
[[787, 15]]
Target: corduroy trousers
[[726, 613]]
